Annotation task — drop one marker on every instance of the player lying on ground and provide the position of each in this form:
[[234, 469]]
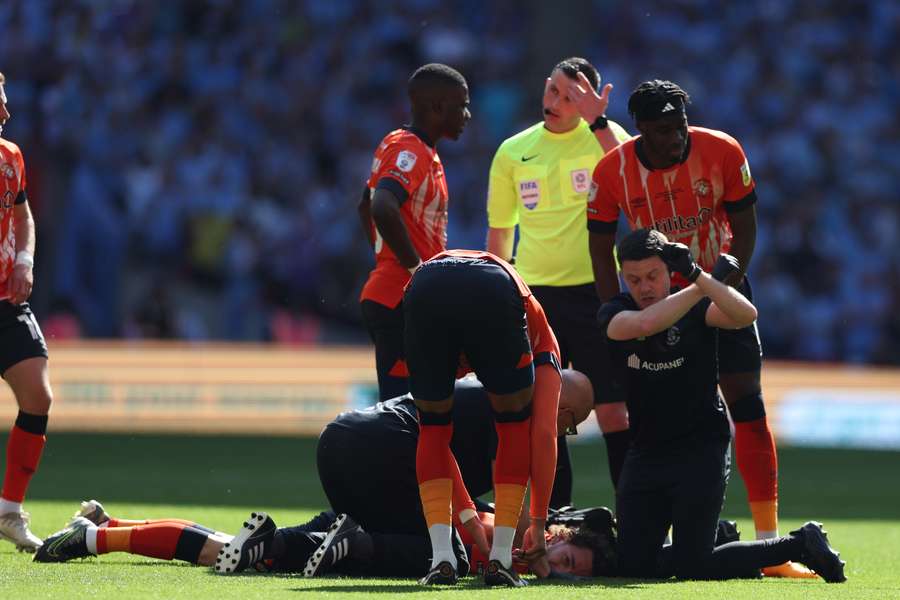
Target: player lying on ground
[[663, 351], [580, 543], [387, 434], [328, 543]]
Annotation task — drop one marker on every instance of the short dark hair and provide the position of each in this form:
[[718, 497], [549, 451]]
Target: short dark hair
[[641, 244], [655, 93], [433, 75], [574, 65]]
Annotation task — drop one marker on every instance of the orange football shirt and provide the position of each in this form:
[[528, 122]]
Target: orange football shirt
[[688, 202], [411, 169], [12, 192]]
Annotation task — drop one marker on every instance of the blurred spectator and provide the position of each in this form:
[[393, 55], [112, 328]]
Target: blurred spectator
[[195, 167]]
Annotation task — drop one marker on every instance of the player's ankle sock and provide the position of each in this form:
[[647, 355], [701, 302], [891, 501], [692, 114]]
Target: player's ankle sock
[[441, 548], [501, 548], [616, 448], [8, 506], [23, 454], [161, 540], [765, 518], [758, 463], [90, 539]]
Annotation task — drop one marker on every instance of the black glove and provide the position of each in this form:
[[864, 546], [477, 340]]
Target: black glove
[[725, 266], [679, 260]]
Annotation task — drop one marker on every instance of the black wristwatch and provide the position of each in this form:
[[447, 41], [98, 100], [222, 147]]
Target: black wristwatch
[[600, 122]]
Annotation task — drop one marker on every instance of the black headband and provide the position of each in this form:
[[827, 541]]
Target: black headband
[[657, 110]]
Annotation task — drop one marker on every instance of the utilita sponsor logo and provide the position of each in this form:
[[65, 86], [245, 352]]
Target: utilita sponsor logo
[[634, 362], [678, 223]]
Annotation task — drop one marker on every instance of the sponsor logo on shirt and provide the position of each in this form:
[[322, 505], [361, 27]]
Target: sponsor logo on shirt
[[677, 224], [406, 160], [530, 193], [667, 108], [7, 170], [580, 181], [634, 362]]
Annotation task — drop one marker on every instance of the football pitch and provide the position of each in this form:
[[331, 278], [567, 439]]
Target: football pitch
[[217, 481]]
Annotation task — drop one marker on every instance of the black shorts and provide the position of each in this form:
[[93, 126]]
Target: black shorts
[[385, 327], [457, 306], [572, 313], [740, 350], [20, 335]]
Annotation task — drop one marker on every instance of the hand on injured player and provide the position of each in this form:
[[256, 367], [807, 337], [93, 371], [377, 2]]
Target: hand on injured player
[[534, 550]]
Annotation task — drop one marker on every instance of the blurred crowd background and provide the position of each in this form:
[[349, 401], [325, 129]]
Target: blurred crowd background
[[194, 166]]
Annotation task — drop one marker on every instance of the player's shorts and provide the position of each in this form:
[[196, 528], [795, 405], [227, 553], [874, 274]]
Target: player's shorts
[[572, 313], [20, 335], [385, 327], [740, 350], [456, 306]]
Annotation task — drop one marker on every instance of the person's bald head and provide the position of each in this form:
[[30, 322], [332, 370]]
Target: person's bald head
[[576, 400]]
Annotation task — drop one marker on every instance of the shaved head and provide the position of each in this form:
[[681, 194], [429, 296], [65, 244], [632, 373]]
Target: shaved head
[[439, 98], [432, 81], [576, 398]]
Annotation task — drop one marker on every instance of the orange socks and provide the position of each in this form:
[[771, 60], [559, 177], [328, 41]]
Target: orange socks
[[133, 523], [23, 453], [758, 463], [434, 463], [164, 540], [511, 469]]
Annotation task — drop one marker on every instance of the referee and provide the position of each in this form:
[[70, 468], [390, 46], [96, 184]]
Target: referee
[[539, 180], [663, 348]]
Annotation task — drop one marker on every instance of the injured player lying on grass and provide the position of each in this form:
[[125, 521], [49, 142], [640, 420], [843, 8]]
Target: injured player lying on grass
[[329, 543], [580, 544]]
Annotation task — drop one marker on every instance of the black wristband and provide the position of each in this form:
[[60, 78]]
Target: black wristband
[[600, 122], [692, 277]]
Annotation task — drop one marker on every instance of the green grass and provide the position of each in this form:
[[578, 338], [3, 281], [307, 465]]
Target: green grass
[[218, 481]]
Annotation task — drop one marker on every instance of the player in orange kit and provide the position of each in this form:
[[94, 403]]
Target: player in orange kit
[[694, 185], [23, 353], [404, 211], [475, 305]]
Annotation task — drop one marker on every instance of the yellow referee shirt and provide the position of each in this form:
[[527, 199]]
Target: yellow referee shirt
[[539, 181]]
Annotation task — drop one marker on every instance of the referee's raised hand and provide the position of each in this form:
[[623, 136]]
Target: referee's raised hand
[[589, 103]]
